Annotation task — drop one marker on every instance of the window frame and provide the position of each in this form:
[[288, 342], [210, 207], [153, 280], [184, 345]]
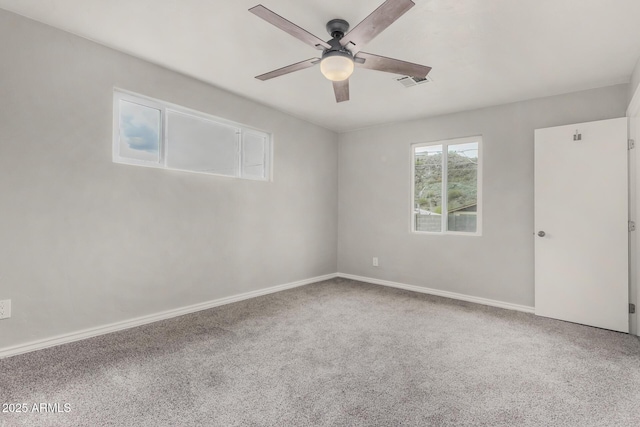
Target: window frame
[[164, 143], [445, 156]]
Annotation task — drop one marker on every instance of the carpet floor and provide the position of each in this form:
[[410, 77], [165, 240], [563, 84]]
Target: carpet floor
[[335, 353]]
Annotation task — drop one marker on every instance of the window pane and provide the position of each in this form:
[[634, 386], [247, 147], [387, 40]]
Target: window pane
[[139, 132], [254, 149], [428, 188], [201, 145], [462, 187]]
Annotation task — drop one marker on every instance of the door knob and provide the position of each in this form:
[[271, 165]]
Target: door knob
[[541, 234]]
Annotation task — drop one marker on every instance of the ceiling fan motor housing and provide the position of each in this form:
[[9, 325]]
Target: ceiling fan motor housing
[[337, 28], [336, 50]]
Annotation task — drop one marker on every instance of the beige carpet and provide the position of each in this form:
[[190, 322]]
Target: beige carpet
[[338, 353]]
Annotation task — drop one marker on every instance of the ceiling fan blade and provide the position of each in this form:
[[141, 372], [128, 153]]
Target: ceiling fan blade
[[289, 27], [341, 89], [390, 65], [289, 69], [386, 14]]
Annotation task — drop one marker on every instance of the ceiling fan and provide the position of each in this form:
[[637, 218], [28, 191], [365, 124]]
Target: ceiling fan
[[343, 52]]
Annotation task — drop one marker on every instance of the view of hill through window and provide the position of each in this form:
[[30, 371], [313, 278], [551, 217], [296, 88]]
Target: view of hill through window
[[461, 182]]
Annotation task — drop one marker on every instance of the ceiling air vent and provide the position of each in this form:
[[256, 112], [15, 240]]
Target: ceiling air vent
[[408, 81]]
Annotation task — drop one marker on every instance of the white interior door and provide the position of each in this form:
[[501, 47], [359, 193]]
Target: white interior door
[[581, 224]]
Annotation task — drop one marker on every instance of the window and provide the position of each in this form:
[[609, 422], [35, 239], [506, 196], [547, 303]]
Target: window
[[154, 133], [140, 127], [454, 165]]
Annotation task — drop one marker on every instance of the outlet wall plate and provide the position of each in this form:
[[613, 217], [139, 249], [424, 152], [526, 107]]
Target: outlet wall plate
[[5, 309]]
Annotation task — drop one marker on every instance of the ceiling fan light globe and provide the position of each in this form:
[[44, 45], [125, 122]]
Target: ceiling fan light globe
[[337, 67]]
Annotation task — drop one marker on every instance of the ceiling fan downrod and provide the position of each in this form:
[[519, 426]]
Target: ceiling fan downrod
[[337, 28]]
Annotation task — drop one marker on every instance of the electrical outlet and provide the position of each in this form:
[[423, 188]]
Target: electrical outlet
[[5, 309], [375, 261]]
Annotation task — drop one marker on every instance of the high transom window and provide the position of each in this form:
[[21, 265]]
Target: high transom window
[[149, 132]]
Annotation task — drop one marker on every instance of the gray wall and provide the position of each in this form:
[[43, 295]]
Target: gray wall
[[635, 80], [86, 242], [374, 197]]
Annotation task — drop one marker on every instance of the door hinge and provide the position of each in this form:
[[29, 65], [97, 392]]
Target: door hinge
[[632, 226], [632, 144], [577, 136], [632, 308]]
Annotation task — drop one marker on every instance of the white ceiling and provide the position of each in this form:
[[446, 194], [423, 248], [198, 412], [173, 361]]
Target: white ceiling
[[483, 52]]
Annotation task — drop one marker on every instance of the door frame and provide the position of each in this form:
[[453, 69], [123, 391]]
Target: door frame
[[633, 115]]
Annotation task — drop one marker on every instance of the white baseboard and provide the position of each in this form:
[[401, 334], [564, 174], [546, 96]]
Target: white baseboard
[[447, 294], [143, 320], [139, 321]]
